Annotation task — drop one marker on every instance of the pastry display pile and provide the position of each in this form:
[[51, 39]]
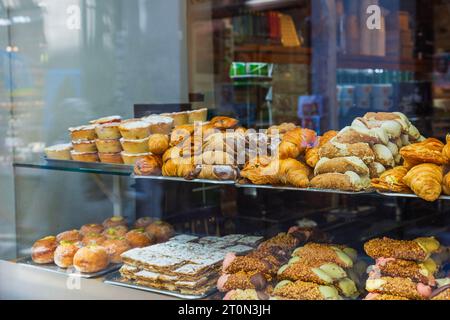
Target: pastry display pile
[[404, 270], [94, 247], [186, 264], [422, 172]]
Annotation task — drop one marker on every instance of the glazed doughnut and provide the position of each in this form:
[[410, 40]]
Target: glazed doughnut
[[91, 228], [93, 238], [91, 259], [64, 253], [43, 250], [115, 247], [114, 222], [71, 235], [138, 238]]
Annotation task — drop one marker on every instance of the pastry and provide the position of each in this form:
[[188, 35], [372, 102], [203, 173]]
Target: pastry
[[43, 250], [179, 118], [91, 259], [148, 166], [419, 249], [223, 123], [392, 181], [108, 131], [241, 280], [143, 222], [114, 222], [383, 297], [158, 143], [64, 254], [105, 120], [373, 136], [295, 142], [134, 129], [341, 165], [282, 242], [108, 145], [84, 146], [215, 158], [312, 154], [325, 274], [213, 172], [317, 254], [115, 158], [84, 156], [115, 232], [281, 129], [71, 235], [180, 134], [418, 272], [446, 184], [83, 133], [348, 181], [383, 155], [93, 238], [402, 287], [131, 159], [137, 238], [375, 170], [199, 115], [159, 124], [333, 149], [300, 290], [425, 180], [115, 247], [59, 152], [135, 146], [234, 264], [161, 230], [428, 151], [92, 227], [249, 295], [446, 149]]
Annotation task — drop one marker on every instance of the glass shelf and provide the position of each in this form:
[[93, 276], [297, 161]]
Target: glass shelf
[[76, 166]]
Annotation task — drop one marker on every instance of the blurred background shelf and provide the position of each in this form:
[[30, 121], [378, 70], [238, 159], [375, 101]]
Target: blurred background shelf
[[272, 54]]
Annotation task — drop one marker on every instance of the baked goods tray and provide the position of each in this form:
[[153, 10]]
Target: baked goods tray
[[407, 195], [27, 261], [72, 165], [163, 178], [302, 189], [115, 279]]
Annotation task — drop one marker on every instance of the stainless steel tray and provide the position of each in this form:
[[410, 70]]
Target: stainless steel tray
[[163, 178], [302, 189], [115, 279], [27, 261], [407, 195]]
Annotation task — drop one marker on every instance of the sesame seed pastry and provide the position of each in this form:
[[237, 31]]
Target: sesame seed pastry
[[324, 274], [235, 264], [383, 297], [419, 249], [418, 272], [402, 287], [283, 240], [249, 294], [441, 293], [241, 280], [299, 290], [322, 253]]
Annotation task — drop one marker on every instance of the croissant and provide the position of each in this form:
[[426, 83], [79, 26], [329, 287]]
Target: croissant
[[214, 172], [261, 170], [428, 151], [294, 172], [295, 143], [148, 166], [158, 143], [181, 133], [312, 154], [446, 184], [446, 150], [281, 129], [180, 167], [217, 157], [425, 180], [223, 123], [392, 180]]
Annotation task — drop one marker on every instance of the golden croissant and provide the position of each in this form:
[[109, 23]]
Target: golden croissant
[[446, 150], [295, 143], [214, 172], [392, 180], [428, 151], [312, 154], [223, 123], [158, 143], [425, 180], [446, 184], [181, 133], [148, 166]]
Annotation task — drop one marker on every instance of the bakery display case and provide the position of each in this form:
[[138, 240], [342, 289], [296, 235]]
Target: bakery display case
[[236, 150]]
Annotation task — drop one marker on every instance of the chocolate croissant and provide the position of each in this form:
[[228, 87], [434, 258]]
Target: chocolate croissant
[[425, 180]]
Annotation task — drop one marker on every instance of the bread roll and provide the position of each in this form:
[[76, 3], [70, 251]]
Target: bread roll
[[43, 250], [64, 254], [91, 259]]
